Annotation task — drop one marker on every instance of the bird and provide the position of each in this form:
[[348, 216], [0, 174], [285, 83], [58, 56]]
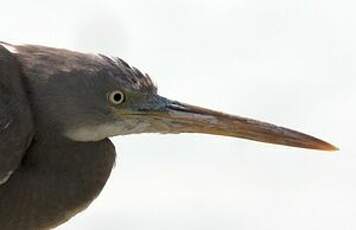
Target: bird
[[58, 109]]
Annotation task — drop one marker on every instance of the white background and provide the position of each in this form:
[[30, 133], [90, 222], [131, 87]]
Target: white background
[[290, 62]]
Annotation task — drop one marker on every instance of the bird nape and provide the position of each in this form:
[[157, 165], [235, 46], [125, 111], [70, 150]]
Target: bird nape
[[57, 110]]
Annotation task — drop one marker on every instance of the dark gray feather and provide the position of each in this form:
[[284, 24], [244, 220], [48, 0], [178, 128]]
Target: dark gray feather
[[16, 125]]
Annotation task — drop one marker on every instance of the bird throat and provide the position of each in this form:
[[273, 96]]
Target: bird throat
[[102, 131]]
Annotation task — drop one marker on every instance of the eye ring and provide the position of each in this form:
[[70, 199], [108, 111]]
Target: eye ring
[[116, 97]]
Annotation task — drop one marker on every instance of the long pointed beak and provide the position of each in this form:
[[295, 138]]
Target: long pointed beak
[[183, 118]]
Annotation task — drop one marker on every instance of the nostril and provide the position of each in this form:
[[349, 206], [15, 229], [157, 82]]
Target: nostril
[[143, 109]]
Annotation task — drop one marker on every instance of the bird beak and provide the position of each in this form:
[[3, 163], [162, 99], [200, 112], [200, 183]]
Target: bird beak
[[175, 117]]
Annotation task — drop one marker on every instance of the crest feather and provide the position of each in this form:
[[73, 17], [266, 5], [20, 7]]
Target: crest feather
[[132, 75]]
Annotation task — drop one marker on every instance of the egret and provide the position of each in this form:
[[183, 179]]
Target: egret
[[58, 109]]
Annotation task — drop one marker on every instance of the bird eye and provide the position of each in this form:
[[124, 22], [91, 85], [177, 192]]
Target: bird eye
[[116, 97]]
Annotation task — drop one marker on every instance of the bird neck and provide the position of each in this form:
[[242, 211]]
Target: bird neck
[[57, 179]]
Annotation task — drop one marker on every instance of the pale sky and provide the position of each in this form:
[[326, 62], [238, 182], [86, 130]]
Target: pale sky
[[289, 62]]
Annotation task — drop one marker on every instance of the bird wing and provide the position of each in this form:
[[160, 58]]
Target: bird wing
[[16, 123]]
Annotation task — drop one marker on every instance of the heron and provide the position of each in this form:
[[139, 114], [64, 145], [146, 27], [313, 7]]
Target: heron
[[58, 109]]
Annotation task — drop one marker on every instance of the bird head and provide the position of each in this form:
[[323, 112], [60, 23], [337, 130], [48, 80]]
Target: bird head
[[133, 106]]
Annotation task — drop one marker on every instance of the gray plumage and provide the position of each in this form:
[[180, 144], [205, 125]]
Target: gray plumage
[[45, 179], [57, 110], [16, 121]]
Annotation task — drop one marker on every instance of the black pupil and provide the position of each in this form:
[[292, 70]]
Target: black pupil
[[118, 97]]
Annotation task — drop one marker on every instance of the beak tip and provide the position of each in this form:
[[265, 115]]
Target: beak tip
[[333, 149], [329, 148]]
